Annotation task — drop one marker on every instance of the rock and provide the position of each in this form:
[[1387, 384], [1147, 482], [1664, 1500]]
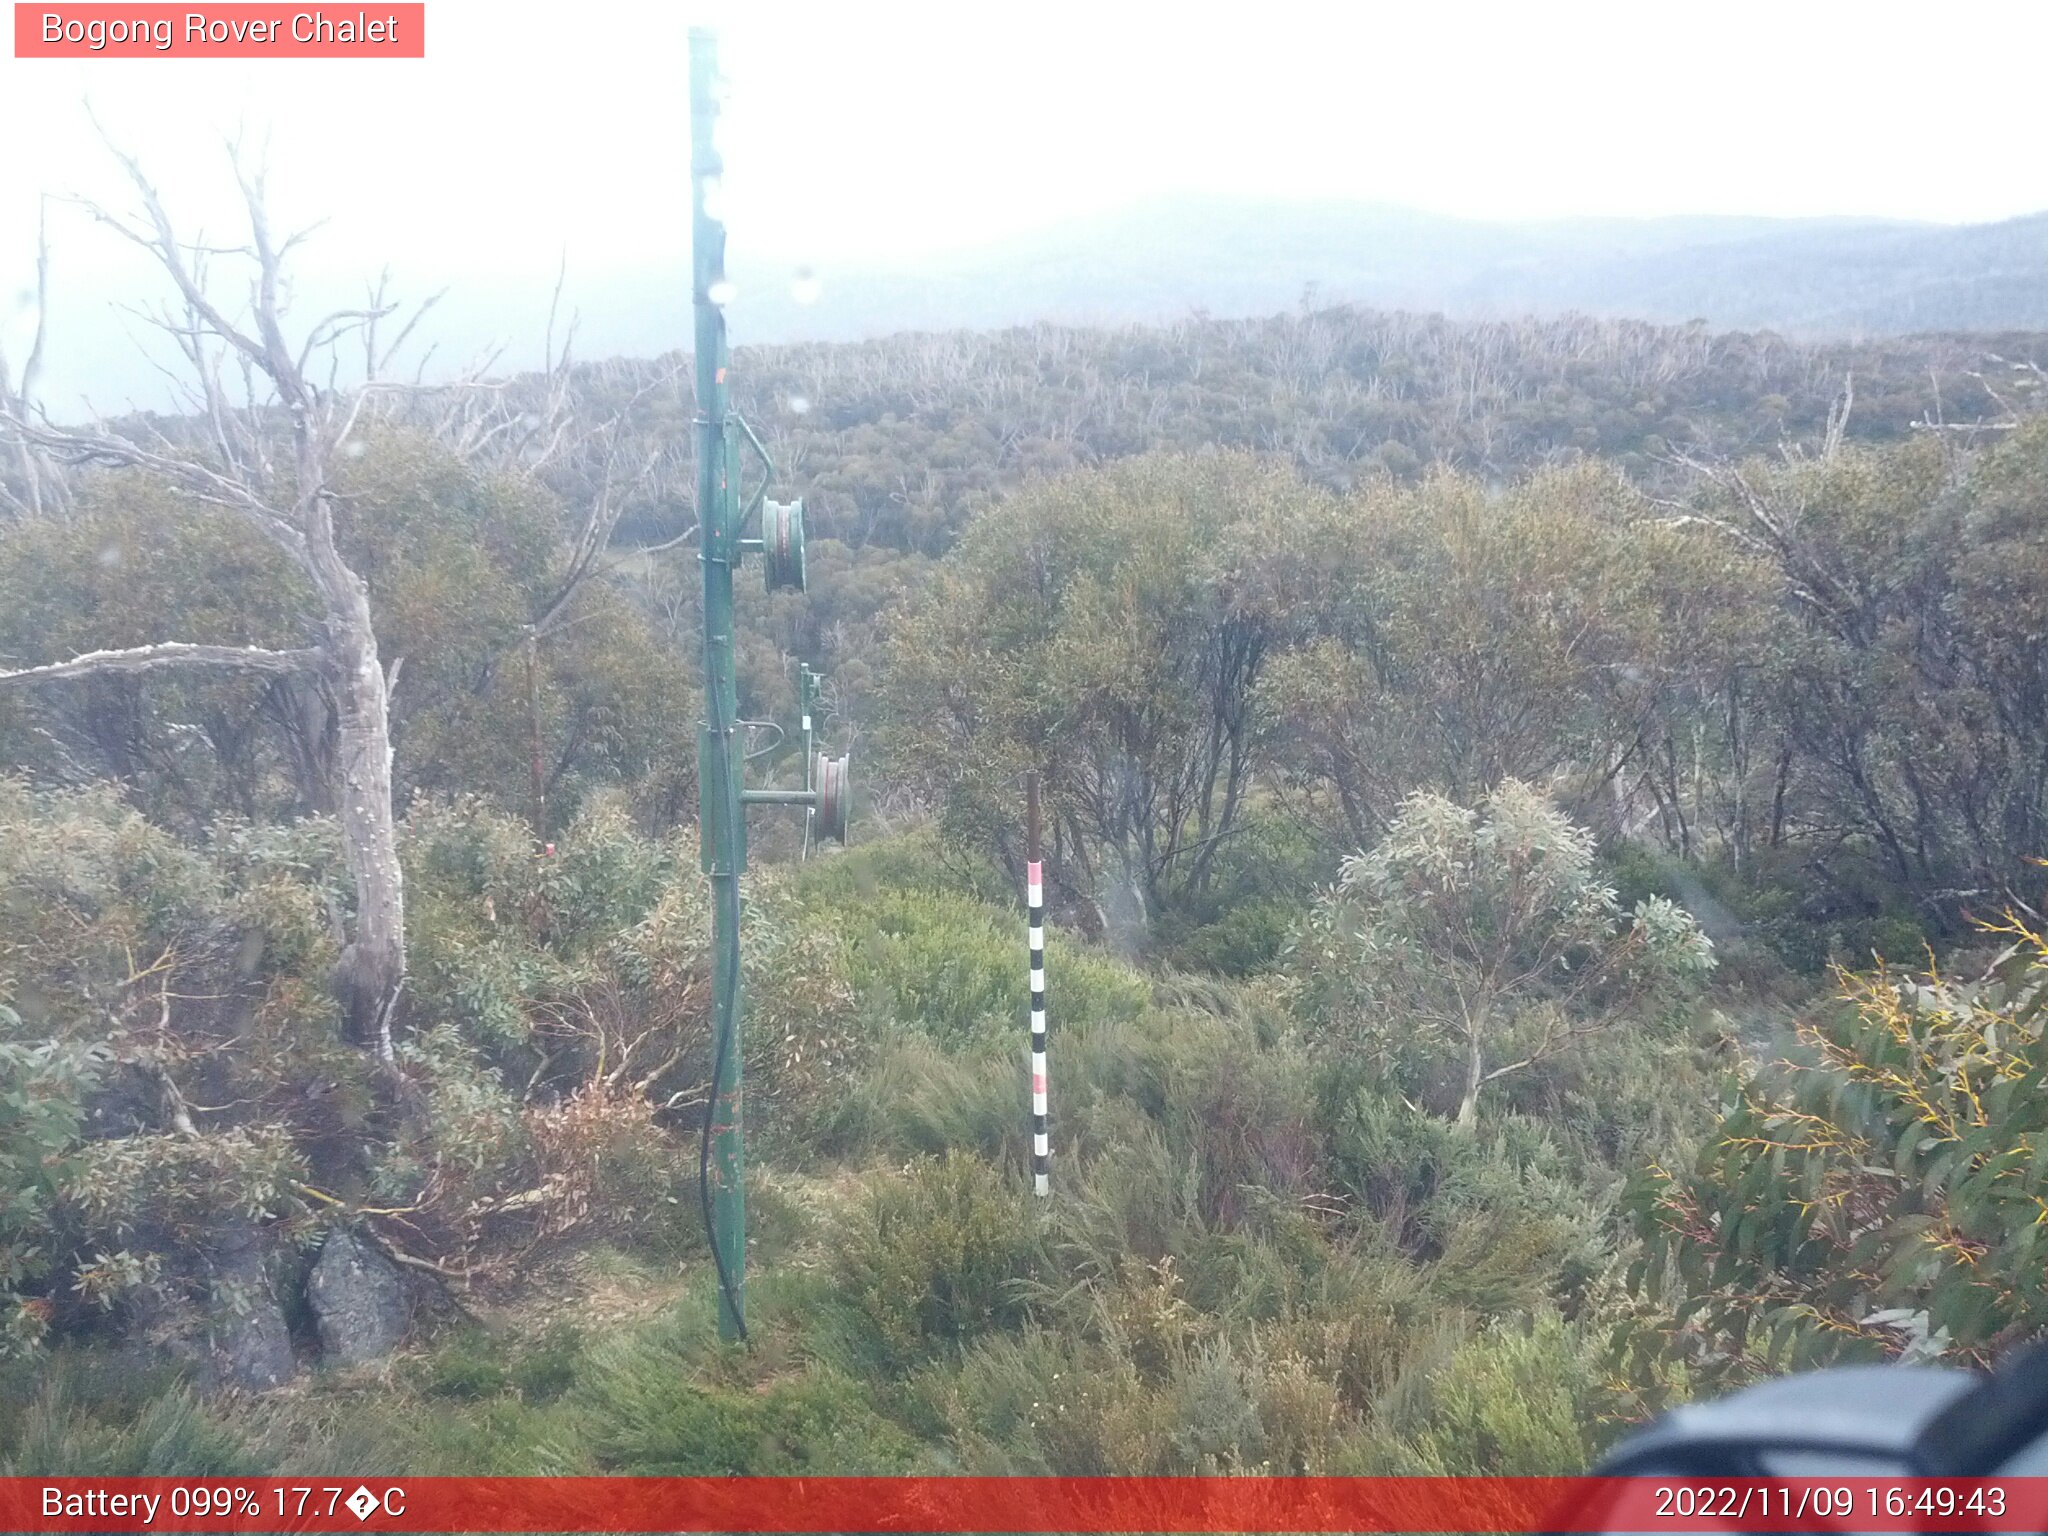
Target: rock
[[252, 1346], [358, 1300], [162, 1326]]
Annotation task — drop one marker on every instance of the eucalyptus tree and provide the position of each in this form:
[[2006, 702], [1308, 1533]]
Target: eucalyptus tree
[[1455, 635], [1474, 943], [1105, 628]]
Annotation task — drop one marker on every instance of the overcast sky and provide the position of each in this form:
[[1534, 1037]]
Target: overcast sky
[[886, 131]]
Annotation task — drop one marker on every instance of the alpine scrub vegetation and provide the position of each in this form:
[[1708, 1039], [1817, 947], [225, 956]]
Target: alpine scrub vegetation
[[1255, 1259], [177, 1074], [1399, 756]]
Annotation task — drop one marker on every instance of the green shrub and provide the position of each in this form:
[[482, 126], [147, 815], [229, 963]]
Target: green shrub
[[1390, 1158], [1247, 939], [1238, 924], [955, 969], [1516, 1400], [1302, 1414], [42, 1090], [469, 1365], [935, 1255], [1249, 1114], [918, 1098], [804, 1037], [1501, 1215], [1213, 1408], [1129, 1195], [604, 877], [1810, 917], [1475, 943], [645, 1409], [498, 1435], [90, 894], [913, 861], [1355, 1322], [1875, 1192], [474, 1364], [1046, 1403]]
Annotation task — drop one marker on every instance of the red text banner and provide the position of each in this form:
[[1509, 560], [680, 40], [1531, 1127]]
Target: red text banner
[[225, 31], [1019, 1504]]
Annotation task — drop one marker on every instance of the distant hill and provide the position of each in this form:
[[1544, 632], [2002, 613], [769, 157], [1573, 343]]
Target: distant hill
[[1810, 279], [1818, 278]]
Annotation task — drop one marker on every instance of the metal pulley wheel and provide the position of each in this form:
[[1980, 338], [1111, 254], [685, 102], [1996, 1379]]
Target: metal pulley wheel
[[834, 790], [782, 545]]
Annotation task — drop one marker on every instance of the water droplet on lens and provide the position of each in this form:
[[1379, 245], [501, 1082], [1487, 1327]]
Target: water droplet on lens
[[721, 292], [805, 288], [798, 405]]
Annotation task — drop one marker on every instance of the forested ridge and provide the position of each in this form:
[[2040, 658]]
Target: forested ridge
[[1162, 257], [1544, 825]]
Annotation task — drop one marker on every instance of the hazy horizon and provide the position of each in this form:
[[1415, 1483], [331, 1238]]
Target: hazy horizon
[[902, 136]]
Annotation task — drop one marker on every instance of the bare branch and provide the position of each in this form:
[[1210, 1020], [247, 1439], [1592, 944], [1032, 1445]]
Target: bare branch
[[196, 480], [291, 505], [36, 476], [606, 507], [554, 307], [331, 328], [381, 361], [276, 356], [32, 370], [170, 653], [162, 243]]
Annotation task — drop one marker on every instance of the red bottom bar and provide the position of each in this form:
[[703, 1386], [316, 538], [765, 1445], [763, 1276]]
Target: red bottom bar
[[1020, 1504]]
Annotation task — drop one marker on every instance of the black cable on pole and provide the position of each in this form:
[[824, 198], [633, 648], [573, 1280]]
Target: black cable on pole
[[722, 1025], [725, 1284]]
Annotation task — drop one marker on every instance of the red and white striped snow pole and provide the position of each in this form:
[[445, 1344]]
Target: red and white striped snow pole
[[1034, 902]]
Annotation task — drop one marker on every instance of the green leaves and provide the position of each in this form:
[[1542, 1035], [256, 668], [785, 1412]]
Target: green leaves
[[1449, 635], [42, 1087], [1885, 1191]]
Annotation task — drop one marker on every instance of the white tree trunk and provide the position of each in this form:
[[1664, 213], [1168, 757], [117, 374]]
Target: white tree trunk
[[1475, 1073]]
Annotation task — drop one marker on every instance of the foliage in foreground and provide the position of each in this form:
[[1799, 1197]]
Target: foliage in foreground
[[1880, 1192], [1255, 1259], [174, 1077]]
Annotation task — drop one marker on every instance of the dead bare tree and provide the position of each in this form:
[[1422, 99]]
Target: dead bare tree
[[35, 489], [267, 452]]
